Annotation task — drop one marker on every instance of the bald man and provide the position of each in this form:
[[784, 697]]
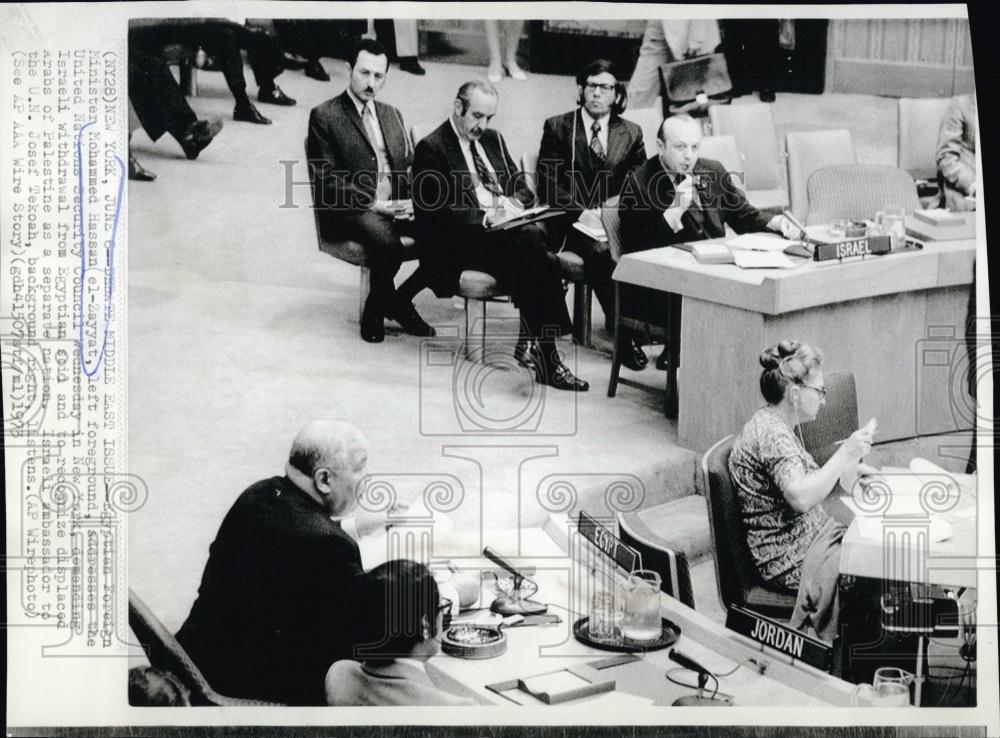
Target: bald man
[[272, 610]]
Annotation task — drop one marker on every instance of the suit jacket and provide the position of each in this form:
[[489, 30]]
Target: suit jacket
[[349, 683], [956, 153], [342, 162], [446, 211], [270, 614], [591, 181], [648, 193]]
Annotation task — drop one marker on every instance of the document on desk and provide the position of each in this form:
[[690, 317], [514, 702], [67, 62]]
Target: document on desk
[[758, 242], [763, 260]]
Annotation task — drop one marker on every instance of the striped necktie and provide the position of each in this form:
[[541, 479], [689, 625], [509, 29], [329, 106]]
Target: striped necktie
[[486, 177]]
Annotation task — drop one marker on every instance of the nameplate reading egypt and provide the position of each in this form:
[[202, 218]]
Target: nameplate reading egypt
[[607, 543]]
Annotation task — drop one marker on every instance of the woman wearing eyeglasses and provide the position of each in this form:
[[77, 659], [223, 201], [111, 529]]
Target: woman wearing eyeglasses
[[793, 540], [399, 615]]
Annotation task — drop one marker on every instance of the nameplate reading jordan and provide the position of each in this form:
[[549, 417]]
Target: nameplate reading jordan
[[607, 543], [864, 246], [780, 637]]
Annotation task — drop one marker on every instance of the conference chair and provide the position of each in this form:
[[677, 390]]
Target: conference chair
[[612, 227], [649, 120], [837, 420], [636, 529], [807, 151], [723, 149], [571, 267], [347, 250], [857, 191], [164, 652], [736, 573], [757, 140], [919, 124]]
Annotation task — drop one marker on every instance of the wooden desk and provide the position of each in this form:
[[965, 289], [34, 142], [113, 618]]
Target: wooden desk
[[878, 317], [906, 553], [534, 650]]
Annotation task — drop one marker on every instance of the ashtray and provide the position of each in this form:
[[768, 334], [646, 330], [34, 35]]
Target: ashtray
[[474, 641], [669, 633]]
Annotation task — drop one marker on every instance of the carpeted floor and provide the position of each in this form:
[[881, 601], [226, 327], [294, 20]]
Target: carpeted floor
[[240, 330]]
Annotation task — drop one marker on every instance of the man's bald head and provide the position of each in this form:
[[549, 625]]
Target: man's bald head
[[333, 454], [678, 142]]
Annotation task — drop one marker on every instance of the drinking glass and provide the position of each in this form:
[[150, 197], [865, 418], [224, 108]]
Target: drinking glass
[[641, 621], [892, 687], [605, 616], [892, 218]]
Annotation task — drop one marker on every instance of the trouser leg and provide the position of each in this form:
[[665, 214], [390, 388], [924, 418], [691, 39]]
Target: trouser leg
[[384, 253], [644, 87], [158, 101], [818, 599]]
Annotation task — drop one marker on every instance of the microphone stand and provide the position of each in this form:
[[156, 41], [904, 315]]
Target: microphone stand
[[517, 602]]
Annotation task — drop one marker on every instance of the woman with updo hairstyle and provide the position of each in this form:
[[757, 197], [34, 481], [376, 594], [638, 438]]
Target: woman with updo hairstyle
[[399, 613], [794, 542]]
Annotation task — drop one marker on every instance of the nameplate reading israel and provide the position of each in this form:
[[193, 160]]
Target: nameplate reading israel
[[864, 246], [607, 543], [780, 637]]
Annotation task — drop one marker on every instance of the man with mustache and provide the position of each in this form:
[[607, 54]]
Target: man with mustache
[[463, 180], [359, 152]]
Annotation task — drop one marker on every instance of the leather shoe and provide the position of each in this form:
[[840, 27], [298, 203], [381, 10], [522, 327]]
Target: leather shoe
[[408, 317], [274, 96], [526, 354], [559, 376], [315, 70], [662, 359], [412, 65], [293, 61], [136, 172], [372, 324], [199, 135], [247, 113], [631, 354]]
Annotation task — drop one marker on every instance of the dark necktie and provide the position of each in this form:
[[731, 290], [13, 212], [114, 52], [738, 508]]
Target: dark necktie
[[482, 171], [595, 141]]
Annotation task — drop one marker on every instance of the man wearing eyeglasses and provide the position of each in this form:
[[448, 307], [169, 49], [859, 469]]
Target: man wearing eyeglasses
[[583, 160], [359, 152]]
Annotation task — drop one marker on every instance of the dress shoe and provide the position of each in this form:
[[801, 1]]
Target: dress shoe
[[494, 74], [526, 354], [631, 354], [516, 72], [247, 113], [408, 317], [199, 135], [372, 324], [274, 96], [293, 61], [315, 70], [136, 172], [767, 96], [559, 376], [663, 359], [412, 65]]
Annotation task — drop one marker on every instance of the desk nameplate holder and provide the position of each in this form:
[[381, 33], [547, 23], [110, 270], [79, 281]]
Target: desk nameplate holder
[[780, 637], [848, 247]]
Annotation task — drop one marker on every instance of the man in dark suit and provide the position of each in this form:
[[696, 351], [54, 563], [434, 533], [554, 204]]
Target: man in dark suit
[[359, 153], [464, 180], [272, 612], [678, 197], [584, 157]]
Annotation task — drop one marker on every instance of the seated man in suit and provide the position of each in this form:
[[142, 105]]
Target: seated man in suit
[[584, 157], [359, 153], [401, 611], [956, 153], [678, 197], [464, 180], [273, 608]]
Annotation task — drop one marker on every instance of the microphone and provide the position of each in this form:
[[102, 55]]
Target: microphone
[[704, 674], [689, 663], [516, 603]]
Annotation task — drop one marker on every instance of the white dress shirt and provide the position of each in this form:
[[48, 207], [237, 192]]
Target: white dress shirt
[[486, 198]]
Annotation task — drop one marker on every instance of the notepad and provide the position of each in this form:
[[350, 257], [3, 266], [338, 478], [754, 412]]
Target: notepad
[[596, 233], [712, 253], [758, 242], [762, 260]]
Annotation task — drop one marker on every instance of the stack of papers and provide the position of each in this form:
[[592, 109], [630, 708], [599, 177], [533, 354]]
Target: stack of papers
[[758, 242], [763, 260], [595, 232]]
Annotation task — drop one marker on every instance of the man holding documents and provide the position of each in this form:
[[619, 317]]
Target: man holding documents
[[359, 152], [583, 160], [465, 187]]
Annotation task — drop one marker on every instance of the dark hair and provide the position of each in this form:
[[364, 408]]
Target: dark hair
[[785, 364], [395, 597], [370, 45], [465, 91], [151, 687], [600, 66]]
